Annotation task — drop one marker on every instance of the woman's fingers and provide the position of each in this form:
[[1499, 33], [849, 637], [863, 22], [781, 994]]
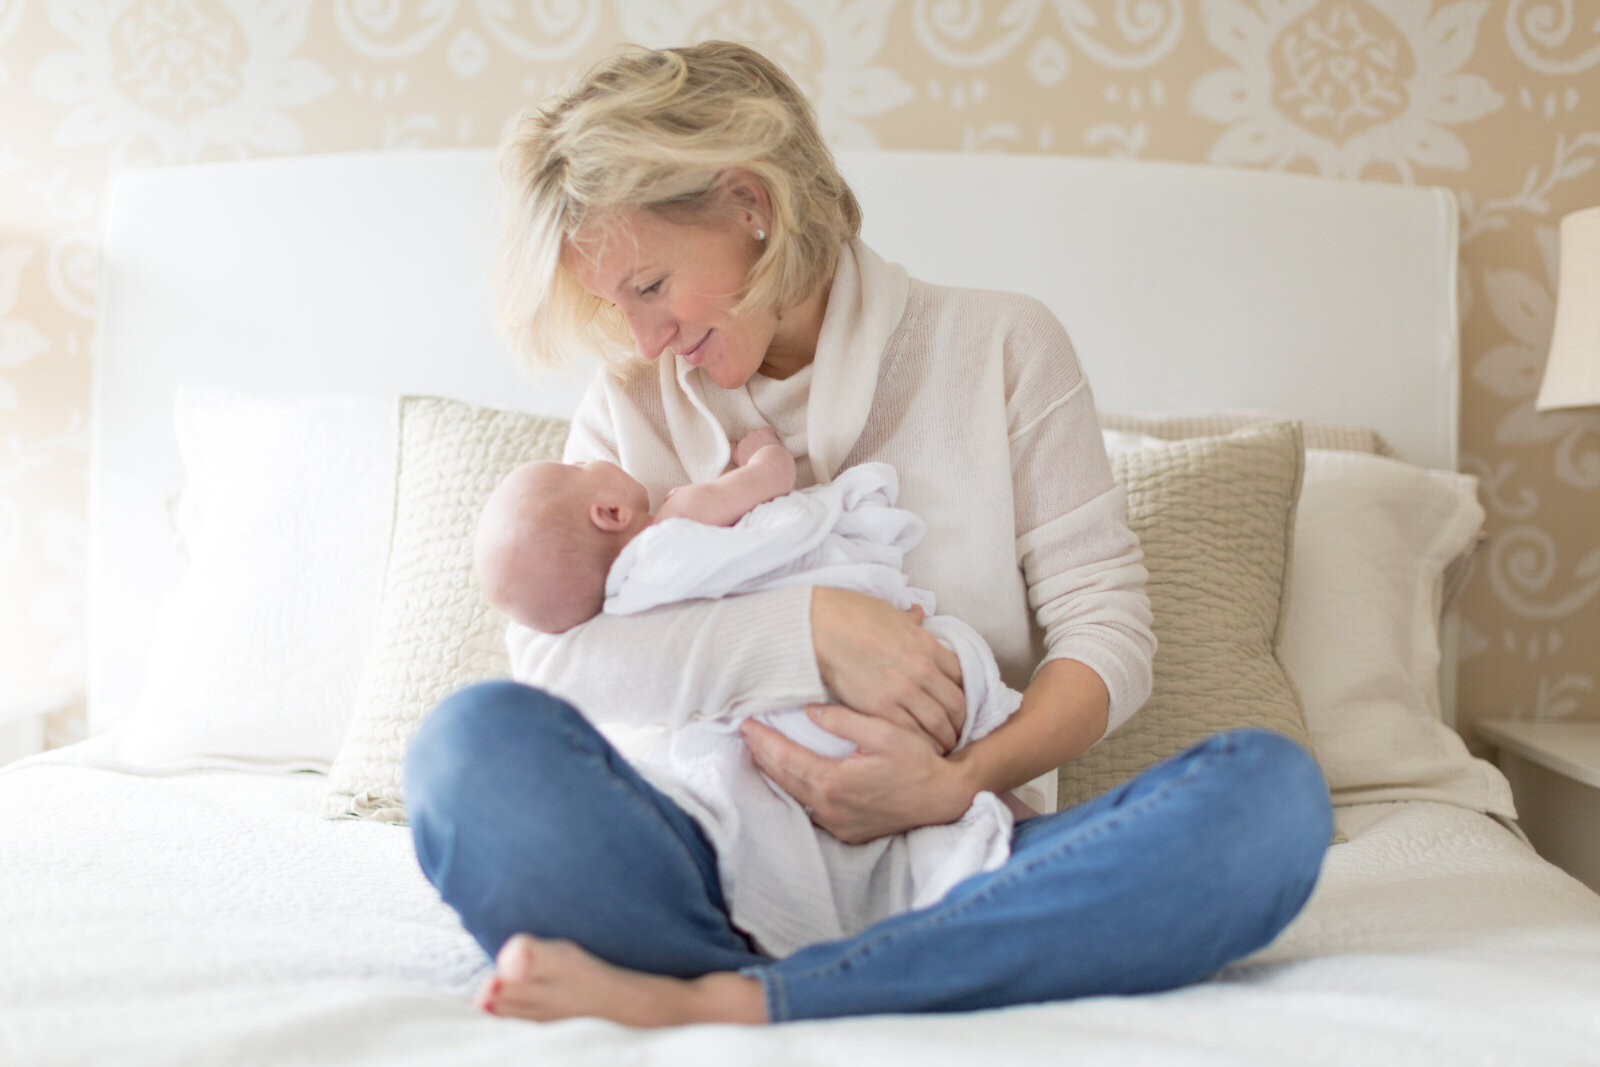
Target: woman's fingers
[[947, 693], [949, 665], [878, 659], [866, 732], [914, 706], [793, 766], [894, 781], [938, 703], [923, 726]]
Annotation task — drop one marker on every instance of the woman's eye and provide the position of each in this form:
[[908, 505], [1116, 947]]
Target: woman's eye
[[653, 287]]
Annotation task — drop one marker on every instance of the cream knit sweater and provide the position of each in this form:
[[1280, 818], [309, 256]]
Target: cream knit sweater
[[977, 400]]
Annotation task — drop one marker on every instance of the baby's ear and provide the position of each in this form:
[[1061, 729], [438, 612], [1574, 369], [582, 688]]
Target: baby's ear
[[612, 518]]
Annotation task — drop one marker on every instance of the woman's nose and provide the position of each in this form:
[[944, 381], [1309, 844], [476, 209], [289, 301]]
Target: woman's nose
[[651, 333]]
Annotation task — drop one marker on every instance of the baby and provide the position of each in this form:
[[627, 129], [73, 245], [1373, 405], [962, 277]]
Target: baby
[[551, 531], [558, 543]]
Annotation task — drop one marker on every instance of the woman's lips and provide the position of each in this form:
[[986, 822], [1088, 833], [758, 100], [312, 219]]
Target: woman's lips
[[692, 356]]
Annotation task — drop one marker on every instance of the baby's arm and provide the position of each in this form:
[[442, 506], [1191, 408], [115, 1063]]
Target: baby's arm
[[765, 471]]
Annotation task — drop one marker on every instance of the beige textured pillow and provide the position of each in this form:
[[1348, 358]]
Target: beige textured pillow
[[435, 633], [1215, 516], [1335, 436], [1330, 436]]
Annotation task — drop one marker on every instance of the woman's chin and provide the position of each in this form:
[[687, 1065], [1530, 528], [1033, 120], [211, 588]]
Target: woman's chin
[[726, 377]]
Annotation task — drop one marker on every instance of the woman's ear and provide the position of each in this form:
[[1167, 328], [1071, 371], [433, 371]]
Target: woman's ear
[[610, 518], [749, 197]]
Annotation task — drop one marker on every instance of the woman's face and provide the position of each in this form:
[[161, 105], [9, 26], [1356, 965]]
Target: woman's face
[[676, 285]]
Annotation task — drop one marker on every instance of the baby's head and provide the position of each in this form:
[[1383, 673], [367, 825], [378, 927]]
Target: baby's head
[[549, 534]]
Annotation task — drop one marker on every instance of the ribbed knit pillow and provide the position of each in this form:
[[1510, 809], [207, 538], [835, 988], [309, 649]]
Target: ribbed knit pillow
[[435, 633], [1335, 436], [1327, 436], [1215, 517]]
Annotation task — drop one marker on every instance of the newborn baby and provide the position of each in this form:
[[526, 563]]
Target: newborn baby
[[551, 531], [558, 543]]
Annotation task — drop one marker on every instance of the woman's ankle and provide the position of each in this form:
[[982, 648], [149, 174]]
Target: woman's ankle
[[730, 997]]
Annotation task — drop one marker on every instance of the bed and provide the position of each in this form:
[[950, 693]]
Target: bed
[[178, 895]]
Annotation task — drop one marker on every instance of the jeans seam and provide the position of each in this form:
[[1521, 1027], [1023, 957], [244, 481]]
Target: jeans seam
[[774, 993], [1077, 837]]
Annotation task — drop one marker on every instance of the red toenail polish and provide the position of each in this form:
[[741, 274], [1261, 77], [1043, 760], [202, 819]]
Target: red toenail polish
[[494, 988]]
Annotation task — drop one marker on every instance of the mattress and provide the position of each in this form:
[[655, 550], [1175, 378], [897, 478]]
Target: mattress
[[213, 917]]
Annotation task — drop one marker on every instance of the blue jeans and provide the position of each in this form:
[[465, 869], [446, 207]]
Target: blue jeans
[[527, 820]]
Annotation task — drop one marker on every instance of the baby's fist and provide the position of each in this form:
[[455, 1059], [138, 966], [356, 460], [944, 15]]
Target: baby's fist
[[753, 442]]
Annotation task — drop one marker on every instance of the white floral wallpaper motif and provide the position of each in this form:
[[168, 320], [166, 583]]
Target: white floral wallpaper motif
[[1346, 86], [1498, 100], [173, 78]]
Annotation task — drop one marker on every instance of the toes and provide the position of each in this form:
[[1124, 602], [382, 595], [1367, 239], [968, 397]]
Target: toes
[[489, 993], [515, 961]]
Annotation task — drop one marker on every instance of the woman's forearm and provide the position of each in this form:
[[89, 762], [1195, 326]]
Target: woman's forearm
[[1064, 711]]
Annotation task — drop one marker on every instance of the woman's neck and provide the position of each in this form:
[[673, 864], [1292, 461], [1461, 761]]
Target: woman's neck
[[794, 344]]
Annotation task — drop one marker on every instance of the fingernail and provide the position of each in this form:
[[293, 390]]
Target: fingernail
[[813, 710]]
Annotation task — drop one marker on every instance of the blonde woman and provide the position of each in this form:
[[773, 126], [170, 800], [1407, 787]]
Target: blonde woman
[[678, 213]]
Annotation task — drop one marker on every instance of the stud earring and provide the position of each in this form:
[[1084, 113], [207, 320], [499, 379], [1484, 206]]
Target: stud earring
[[761, 235]]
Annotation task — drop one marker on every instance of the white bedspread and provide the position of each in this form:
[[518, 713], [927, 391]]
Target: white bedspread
[[214, 919]]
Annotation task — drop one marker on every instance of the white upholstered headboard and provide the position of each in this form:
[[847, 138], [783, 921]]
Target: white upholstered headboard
[[1185, 288]]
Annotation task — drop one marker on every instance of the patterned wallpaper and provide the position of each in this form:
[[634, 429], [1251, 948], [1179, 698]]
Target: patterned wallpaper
[[1497, 99]]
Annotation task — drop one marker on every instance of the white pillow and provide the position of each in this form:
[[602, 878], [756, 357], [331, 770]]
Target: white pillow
[[256, 654], [1360, 639]]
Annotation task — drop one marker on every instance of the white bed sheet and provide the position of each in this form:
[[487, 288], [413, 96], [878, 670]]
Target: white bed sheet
[[214, 918]]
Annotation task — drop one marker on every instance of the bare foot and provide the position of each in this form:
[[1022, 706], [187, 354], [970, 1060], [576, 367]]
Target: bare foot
[[548, 980]]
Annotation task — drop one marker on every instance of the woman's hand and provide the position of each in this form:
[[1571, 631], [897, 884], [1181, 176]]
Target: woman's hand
[[879, 660], [894, 781]]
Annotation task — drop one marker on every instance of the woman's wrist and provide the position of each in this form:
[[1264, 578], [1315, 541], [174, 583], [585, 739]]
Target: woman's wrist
[[971, 771], [1063, 713]]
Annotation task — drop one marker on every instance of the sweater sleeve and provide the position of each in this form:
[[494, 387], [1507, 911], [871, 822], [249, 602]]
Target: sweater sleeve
[[1083, 566], [700, 659]]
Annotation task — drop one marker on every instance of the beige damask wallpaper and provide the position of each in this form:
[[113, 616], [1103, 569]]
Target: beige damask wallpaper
[[1497, 99]]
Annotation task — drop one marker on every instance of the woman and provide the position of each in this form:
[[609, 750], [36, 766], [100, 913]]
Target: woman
[[680, 205]]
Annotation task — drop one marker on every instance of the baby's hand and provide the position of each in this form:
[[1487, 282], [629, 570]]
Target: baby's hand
[[753, 442]]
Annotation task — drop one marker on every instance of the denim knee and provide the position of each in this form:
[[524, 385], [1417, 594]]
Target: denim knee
[[462, 742], [1282, 784]]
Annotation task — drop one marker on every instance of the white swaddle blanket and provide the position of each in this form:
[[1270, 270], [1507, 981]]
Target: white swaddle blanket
[[787, 882]]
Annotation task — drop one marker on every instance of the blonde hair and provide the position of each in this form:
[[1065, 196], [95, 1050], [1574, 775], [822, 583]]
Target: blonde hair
[[655, 131]]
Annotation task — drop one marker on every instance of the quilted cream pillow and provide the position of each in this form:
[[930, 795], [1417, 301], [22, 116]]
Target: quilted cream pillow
[[1215, 516], [435, 633]]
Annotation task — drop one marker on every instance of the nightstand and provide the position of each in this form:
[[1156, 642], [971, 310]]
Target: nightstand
[[22, 717], [1554, 770]]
